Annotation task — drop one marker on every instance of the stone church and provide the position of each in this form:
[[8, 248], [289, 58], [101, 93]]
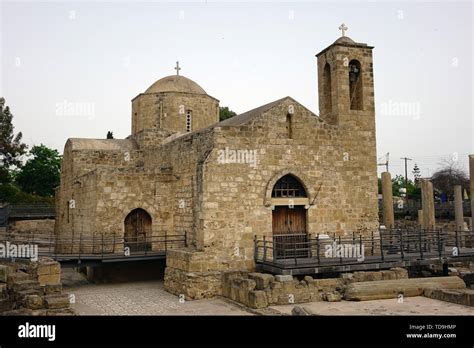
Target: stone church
[[276, 169]]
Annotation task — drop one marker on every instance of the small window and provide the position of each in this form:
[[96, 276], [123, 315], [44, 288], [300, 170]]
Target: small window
[[288, 187], [189, 120], [289, 127], [355, 85]]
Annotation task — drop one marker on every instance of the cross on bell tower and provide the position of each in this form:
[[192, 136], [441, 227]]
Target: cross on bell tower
[[343, 28], [177, 68]]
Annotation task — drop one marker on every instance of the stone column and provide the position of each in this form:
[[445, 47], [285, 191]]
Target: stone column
[[427, 200], [471, 173], [387, 200], [420, 219], [458, 213]]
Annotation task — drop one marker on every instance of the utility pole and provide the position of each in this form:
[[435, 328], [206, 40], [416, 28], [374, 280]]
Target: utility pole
[[406, 176]]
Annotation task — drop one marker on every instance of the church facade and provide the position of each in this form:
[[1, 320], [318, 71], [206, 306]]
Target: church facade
[[277, 169]]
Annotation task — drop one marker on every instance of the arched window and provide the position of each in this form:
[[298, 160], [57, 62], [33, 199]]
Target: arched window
[[355, 85], [288, 187], [327, 88]]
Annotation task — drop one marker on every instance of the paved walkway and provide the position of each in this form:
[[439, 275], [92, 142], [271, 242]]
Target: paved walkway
[[143, 298]]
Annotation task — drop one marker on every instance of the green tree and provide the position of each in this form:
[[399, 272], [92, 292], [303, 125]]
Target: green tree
[[416, 173], [225, 113], [11, 147], [40, 174], [110, 135]]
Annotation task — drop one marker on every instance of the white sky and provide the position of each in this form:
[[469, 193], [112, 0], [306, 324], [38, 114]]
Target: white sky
[[101, 55]]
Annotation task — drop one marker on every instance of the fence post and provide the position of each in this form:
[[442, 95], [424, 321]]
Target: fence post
[[309, 247], [294, 252], [340, 256], [373, 243], [50, 242], [439, 244], [381, 245], [146, 243], [166, 241], [113, 246], [401, 243], [102, 244], [265, 249], [185, 239], [255, 250], [457, 241], [421, 243], [80, 245], [360, 247], [317, 250]]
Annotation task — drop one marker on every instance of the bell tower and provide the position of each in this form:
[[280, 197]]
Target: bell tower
[[346, 84]]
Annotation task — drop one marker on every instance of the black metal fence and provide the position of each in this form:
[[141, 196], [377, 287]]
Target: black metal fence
[[322, 249], [4, 214], [77, 246]]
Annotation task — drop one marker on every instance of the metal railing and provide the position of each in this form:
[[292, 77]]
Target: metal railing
[[401, 244], [77, 246], [32, 211]]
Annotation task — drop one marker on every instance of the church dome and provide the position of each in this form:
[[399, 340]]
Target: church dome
[[344, 40], [175, 83]]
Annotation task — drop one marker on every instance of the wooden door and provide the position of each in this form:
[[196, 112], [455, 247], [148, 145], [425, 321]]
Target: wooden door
[[138, 230], [289, 232]]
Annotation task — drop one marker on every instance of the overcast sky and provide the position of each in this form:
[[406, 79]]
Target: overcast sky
[[96, 57]]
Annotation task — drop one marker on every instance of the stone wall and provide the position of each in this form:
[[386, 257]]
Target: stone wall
[[32, 288], [260, 290], [27, 227]]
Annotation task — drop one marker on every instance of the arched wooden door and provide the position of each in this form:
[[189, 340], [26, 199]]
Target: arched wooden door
[[290, 236], [138, 230]]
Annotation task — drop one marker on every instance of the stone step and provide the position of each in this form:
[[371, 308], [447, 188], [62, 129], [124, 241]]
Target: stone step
[[20, 295], [23, 285], [16, 277], [57, 301]]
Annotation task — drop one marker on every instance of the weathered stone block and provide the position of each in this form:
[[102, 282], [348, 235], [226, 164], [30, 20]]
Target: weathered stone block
[[400, 273], [301, 311], [52, 289], [3, 290], [49, 279], [257, 299], [330, 284], [15, 277], [388, 275], [262, 280], [4, 272], [22, 285], [283, 278], [56, 301], [331, 296], [33, 302]]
